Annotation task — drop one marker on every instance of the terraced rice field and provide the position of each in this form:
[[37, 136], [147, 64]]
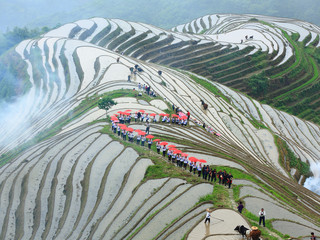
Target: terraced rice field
[[77, 183]]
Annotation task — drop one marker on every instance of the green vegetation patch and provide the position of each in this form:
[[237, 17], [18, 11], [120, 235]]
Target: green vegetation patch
[[209, 86]]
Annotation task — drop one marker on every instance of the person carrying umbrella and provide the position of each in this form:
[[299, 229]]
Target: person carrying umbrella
[[138, 139], [169, 155], [164, 150], [181, 160], [149, 143], [143, 139], [149, 137], [158, 147], [124, 135], [185, 162], [191, 166]]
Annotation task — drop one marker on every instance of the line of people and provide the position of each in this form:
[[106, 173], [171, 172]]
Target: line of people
[[174, 155]]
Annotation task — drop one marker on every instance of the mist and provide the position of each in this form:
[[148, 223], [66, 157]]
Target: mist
[[14, 122], [313, 183], [164, 13]]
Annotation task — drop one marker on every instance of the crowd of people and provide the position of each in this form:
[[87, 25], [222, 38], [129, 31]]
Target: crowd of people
[[170, 152]]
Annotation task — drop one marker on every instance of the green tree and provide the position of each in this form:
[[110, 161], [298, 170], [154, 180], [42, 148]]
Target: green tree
[[106, 103], [259, 85]]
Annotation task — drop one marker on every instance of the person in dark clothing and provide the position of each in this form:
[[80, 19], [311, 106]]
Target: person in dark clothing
[[214, 175], [149, 143], [173, 107], [129, 78], [136, 66], [313, 237], [229, 179], [131, 69], [206, 171], [262, 217], [240, 207], [191, 166], [164, 150], [210, 175], [139, 115], [143, 139], [148, 127], [159, 72], [220, 175]]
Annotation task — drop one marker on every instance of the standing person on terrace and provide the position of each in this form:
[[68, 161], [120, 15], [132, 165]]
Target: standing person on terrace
[[135, 117], [124, 135], [240, 207], [158, 147], [138, 139], [149, 143], [188, 115], [199, 170], [313, 237], [208, 215], [181, 161], [164, 150], [174, 155], [143, 139], [262, 215], [119, 131], [229, 180], [214, 174], [191, 166], [169, 155], [185, 162], [178, 160], [148, 127]]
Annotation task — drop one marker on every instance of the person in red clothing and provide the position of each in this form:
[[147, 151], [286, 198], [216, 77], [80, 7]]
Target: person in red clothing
[[188, 114]]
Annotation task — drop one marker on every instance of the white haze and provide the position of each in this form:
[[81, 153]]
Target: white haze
[[15, 124], [313, 183]]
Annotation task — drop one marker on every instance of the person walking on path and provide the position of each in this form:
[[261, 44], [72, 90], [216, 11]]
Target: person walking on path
[[240, 207], [188, 114], [208, 215], [262, 215]]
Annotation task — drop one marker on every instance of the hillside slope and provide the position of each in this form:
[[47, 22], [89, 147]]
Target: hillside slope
[[75, 182]]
